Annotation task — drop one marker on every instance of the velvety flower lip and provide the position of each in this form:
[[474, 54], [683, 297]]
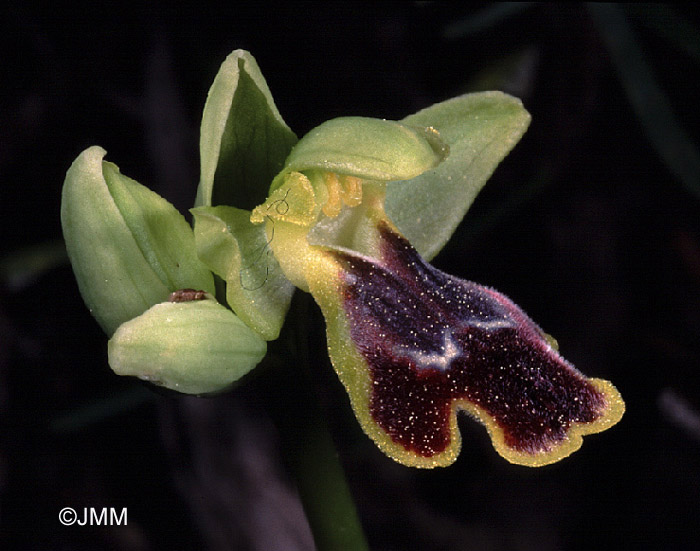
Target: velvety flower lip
[[433, 344]]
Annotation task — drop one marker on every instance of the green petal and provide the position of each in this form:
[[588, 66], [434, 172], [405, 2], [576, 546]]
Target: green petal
[[480, 130], [371, 149], [244, 140], [196, 347], [238, 251], [127, 256]]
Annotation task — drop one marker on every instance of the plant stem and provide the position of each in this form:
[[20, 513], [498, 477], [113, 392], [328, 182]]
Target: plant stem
[[306, 442]]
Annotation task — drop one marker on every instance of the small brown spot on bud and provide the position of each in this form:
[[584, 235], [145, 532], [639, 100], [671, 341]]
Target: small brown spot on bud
[[187, 295]]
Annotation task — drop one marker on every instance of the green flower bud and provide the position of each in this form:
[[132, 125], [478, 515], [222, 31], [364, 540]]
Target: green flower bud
[[193, 347], [129, 247]]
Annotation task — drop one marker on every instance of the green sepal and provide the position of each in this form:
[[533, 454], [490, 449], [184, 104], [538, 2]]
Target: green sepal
[[197, 347], [161, 232], [480, 129], [370, 149], [243, 140], [238, 251], [129, 247]]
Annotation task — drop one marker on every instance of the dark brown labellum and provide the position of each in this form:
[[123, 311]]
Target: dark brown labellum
[[430, 339]]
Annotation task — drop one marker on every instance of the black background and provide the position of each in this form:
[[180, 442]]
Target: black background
[[584, 225]]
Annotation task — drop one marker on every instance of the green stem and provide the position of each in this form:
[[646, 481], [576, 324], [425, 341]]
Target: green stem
[[307, 444]]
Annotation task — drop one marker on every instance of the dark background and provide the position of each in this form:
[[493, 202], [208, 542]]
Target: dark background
[[591, 225]]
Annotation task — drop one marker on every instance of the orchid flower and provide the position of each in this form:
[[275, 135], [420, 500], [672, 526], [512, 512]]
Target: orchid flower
[[351, 213]]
